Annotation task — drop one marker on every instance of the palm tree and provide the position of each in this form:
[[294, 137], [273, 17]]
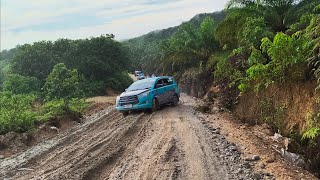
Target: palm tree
[[189, 46], [278, 14]]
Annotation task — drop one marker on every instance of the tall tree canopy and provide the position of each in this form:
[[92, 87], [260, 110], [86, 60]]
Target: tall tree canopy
[[97, 60]]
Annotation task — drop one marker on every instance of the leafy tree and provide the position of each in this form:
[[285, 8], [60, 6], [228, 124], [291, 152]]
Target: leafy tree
[[286, 51], [62, 83], [18, 84], [119, 81], [2, 77], [254, 30], [63, 94], [96, 59], [144, 55], [7, 55], [36, 60]]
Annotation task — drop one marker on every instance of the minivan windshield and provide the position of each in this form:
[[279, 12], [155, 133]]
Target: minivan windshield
[[140, 85]]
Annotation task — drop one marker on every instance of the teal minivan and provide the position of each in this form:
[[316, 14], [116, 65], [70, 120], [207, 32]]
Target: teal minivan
[[148, 94]]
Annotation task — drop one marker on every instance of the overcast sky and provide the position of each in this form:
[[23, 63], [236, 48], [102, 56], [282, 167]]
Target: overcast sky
[[27, 21]]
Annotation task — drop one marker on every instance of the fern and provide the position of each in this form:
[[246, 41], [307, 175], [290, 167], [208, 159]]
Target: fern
[[312, 133]]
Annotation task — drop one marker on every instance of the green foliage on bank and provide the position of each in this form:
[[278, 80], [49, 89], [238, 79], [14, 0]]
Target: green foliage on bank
[[48, 80], [16, 112], [23, 105]]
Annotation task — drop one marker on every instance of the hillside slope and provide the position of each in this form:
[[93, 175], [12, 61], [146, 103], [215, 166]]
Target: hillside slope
[[167, 33]]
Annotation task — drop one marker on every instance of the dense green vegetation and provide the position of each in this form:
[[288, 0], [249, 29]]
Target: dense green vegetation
[[151, 49], [48, 80], [256, 44]]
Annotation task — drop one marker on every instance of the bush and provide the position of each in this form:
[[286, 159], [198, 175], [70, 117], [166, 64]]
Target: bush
[[18, 84], [16, 113], [288, 59], [119, 82], [59, 107], [52, 109], [226, 70], [92, 87], [217, 57], [62, 83], [77, 106], [254, 30]]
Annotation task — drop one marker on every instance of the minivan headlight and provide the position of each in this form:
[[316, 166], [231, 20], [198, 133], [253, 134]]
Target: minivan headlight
[[117, 100], [144, 94]]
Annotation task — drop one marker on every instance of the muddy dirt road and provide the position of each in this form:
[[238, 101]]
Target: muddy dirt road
[[172, 143]]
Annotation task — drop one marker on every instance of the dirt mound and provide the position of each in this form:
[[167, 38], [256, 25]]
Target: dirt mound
[[288, 106]]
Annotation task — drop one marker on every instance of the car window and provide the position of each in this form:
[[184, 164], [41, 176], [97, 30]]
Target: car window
[[140, 85], [159, 83], [167, 82], [171, 80]]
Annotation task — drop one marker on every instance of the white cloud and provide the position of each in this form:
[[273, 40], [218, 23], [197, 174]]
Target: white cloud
[[125, 18]]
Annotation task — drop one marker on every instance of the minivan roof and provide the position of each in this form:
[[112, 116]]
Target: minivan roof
[[156, 78]]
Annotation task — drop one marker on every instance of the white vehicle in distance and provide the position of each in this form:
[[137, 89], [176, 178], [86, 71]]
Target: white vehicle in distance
[[140, 76]]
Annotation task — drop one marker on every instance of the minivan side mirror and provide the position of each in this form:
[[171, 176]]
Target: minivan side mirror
[[126, 90]]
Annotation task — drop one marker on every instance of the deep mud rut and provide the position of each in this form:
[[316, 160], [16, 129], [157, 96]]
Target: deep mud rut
[[172, 143]]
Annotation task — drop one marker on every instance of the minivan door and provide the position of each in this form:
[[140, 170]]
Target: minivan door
[[160, 91], [169, 90]]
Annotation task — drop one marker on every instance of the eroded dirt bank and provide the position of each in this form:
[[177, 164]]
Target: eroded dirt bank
[[173, 143]]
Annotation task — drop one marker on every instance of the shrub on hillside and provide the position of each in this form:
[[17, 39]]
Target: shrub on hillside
[[76, 106], [59, 107], [287, 61], [16, 113], [52, 109], [62, 94]]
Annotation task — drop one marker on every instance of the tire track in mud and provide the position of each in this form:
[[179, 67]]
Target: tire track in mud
[[122, 147], [10, 165], [86, 151], [152, 156]]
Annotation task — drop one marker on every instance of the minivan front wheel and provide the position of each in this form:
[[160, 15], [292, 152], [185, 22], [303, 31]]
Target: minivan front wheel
[[125, 113], [155, 105], [175, 100]]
